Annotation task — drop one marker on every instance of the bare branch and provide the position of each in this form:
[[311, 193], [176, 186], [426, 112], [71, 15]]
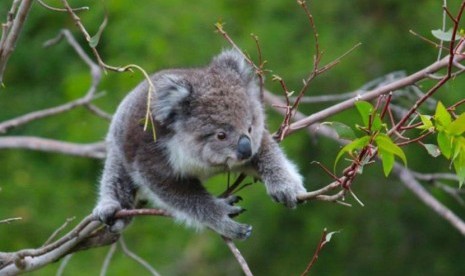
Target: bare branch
[[410, 182], [9, 220], [320, 245], [136, 258], [45, 5], [89, 233], [94, 150], [237, 254], [107, 260], [8, 44], [40, 114], [58, 231], [96, 75], [98, 112]]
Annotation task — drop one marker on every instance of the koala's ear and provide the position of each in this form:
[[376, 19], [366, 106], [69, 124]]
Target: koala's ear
[[170, 90], [233, 60]]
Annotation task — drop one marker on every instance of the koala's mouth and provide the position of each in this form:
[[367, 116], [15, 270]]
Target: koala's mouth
[[232, 162]]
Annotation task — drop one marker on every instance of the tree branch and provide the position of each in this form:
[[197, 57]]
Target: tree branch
[[410, 182], [93, 150], [11, 35]]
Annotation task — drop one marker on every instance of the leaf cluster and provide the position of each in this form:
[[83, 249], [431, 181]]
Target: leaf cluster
[[450, 137], [374, 138]]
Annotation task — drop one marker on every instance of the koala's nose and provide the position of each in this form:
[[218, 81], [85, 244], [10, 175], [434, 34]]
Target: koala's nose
[[244, 148]]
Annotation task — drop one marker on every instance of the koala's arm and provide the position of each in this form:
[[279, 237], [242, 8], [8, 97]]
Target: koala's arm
[[280, 176], [117, 191]]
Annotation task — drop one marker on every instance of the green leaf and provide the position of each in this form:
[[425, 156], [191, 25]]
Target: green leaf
[[427, 124], [442, 117], [387, 159], [444, 36], [444, 143], [93, 42], [357, 144], [457, 127], [385, 144], [432, 149], [459, 166], [343, 131], [377, 124], [364, 109]]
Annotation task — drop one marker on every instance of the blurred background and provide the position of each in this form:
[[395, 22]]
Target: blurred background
[[394, 234]]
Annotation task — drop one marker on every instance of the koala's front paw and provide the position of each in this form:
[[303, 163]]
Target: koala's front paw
[[225, 225], [105, 211], [285, 186]]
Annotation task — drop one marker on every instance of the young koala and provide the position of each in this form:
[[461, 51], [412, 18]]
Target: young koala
[[207, 121]]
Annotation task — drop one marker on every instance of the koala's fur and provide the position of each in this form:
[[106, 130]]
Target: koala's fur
[[207, 120]]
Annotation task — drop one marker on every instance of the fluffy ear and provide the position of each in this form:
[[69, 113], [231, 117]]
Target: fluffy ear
[[233, 60], [170, 91]]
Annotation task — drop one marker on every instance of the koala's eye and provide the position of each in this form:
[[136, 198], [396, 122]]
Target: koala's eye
[[250, 130], [221, 135]]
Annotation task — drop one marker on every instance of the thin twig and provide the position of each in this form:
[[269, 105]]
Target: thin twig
[[320, 245], [9, 43], [45, 5], [410, 182], [136, 258], [237, 254], [10, 220], [63, 264], [58, 231], [108, 257]]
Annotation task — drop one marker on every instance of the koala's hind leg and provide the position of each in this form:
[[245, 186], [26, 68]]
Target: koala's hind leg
[[117, 191], [189, 202]]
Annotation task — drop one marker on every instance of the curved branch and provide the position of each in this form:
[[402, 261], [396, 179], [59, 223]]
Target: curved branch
[[410, 182]]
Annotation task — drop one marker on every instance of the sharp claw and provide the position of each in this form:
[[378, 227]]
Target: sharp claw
[[242, 210]]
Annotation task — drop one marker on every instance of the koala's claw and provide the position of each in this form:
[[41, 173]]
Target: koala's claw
[[287, 195], [232, 199], [242, 210], [105, 212], [240, 232]]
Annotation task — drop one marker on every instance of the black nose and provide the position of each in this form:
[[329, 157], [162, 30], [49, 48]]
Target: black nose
[[244, 148]]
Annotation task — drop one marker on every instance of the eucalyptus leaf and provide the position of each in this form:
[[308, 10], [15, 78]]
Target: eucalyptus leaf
[[387, 159], [357, 144], [427, 124], [459, 166], [343, 131], [457, 127], [364, 109], [94, 40], [442, 117], [444, 143], [385, 144]]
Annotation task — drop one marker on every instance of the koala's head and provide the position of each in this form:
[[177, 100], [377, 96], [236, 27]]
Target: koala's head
[[215, 113]]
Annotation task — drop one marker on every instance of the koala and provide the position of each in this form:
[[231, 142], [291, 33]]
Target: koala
[[207, 121]]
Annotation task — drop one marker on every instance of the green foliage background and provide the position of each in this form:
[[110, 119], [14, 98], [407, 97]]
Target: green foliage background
[[394, 234]]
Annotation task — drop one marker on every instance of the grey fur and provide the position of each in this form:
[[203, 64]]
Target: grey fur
[[190, 108]]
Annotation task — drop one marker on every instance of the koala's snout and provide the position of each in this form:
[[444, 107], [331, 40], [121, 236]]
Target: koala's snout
[[244, 148]]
